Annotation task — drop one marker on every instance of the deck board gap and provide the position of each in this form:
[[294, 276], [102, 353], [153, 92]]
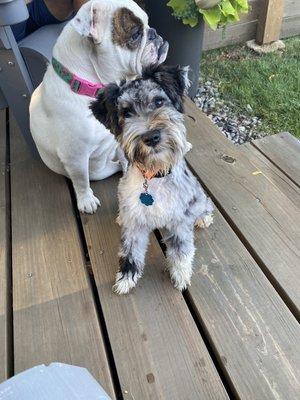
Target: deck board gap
[[96, 298], [213, 352], [276, 165], [232, 394], [279, 289], [9, 289]]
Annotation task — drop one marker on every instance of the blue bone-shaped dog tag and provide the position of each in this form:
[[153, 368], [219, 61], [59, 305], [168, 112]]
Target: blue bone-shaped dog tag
[[146, 199]]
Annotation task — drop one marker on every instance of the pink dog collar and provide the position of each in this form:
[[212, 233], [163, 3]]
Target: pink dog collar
[[77, 84]]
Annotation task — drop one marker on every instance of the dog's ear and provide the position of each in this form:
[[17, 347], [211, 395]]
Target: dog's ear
[[90, 21], [173, 80], [105, 108]]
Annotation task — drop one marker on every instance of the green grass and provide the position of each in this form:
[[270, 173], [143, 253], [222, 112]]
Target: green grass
[[270, 83]]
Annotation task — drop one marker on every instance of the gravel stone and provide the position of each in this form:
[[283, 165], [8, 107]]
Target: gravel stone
[[237, 127]]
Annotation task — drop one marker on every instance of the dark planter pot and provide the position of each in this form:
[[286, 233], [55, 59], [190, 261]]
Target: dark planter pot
[[185, 42]]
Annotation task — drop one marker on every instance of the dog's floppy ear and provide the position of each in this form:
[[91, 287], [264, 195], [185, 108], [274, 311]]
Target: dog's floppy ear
[[173, 80], [88, 21], [105, 108]]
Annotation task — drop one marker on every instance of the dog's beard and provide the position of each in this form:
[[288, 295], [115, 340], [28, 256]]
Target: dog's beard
[[165, 155]]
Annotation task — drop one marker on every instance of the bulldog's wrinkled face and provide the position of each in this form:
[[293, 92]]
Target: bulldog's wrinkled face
[[120, 36]]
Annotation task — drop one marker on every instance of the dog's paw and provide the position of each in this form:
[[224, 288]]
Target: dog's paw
[[204, 222], [88, 203], [125, 282], [181, 278]]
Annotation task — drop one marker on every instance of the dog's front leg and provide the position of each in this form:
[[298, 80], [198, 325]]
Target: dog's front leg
[[180, 255], [77, 167], [131, 258]]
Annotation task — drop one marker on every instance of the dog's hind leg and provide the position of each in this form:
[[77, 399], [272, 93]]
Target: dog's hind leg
[[111, 167], [131, 259], [76, 166], [180, 255]]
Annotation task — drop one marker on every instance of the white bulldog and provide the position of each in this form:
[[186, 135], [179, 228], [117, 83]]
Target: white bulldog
[[107, 41]]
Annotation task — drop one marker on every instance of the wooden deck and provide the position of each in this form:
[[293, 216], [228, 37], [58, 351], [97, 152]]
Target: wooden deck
[[233, 335]]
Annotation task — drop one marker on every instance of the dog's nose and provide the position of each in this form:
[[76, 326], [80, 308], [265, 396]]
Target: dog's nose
[[152, 34], [151, 138]]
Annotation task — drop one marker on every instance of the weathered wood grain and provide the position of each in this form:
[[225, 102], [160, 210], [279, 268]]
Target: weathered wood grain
[[270, 21], [291, 7], [54, 313], [255, 336], [290, 26], [158, 351], [3, 253], [237, 32], [283, 150], [271, 172], [246, 28], [265, 218], [234, 34]]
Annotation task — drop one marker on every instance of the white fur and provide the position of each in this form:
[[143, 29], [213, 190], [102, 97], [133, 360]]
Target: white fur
[[205, 222], [171, 211], [68, 137], [181, 271], [124, 283]]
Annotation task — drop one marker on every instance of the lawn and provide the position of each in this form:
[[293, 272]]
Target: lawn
[[269, 83]]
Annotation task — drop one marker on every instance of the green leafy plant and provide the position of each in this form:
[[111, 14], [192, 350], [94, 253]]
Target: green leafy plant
[[225, 12]]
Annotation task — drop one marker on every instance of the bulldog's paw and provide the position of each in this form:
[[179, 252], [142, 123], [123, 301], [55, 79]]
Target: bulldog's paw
[[88, 203]]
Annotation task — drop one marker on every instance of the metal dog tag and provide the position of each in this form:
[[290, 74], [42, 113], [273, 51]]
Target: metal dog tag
[[146, 199]]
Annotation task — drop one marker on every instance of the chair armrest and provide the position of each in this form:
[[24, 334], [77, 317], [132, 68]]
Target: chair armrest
[[12, 12]]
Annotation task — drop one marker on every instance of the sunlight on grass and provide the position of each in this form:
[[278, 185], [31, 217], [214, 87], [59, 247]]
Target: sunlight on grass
[[270, 83]]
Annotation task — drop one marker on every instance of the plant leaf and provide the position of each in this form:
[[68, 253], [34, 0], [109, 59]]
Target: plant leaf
[[243, 5], [177, 5], [229, 13], [212, 16], [192, 21], [185, 10]]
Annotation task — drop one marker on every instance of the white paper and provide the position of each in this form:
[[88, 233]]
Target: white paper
[[55, 382]]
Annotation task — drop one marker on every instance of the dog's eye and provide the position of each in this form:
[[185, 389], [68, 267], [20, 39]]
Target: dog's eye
[[159, 102], [135, 35]]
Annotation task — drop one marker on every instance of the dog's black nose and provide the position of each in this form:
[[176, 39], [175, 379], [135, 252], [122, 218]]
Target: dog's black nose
[[151, 138], [152, 34]]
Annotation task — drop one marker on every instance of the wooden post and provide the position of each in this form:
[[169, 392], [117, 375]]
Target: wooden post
[[270, 21]]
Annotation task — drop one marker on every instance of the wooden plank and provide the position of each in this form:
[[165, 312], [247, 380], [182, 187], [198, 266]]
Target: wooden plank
[[158, 351], [3, 253], [255, 336], [246, 28], [271, 172], [54, 313], [269, 22], [252, 15], [291, 7], [290, 26], [265, 218], [233, 34], [283, 150]]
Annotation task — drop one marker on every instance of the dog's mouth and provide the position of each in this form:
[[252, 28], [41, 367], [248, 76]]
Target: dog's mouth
[[162, 52], [156, 49], [158, 158]]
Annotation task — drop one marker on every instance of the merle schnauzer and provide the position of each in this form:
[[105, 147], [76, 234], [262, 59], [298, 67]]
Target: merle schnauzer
[[157, 189]]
